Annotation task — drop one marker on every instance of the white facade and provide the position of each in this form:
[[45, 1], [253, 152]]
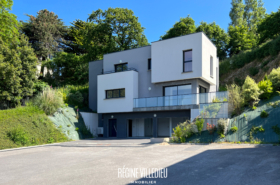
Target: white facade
[[127, 80], [167, 59]]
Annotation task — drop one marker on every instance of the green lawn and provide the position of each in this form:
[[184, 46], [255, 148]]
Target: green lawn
[[26, 126]]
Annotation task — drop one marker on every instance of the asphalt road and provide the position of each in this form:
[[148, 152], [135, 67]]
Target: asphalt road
[[124, 161]]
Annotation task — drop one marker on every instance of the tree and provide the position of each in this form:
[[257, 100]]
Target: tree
[[68, 68], [183, 27], [217, 35], [274, 77], [8, 22], [269, 28], [45, 33], [17, 70], [254, 13], [236, 99], [122, 26], [240, 39], [237, 13], [250, 91]]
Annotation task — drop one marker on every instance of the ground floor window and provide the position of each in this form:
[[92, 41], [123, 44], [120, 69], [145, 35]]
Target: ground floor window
[[142, 127]]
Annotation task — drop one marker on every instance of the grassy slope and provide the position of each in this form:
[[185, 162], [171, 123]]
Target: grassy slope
[[37, 126], [242, 73]]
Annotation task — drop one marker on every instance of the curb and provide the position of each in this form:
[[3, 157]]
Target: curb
[[27, 147]]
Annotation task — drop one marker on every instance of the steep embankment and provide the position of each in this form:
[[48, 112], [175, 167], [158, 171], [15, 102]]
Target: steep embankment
[[255, 69], [26, 126]]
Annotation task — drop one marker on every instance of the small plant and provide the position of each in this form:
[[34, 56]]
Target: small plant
[[264, 114], [234, 129], [60, 126], [51, 140], [266, 88], [222, 136], [68, 125], [211, 128], [238, 142], [254, 107], [255, 130], [216, 100], [18, 136], [199, 123], [76, 128], [225, 100], [245, 116], [66, 104], [222, 125]]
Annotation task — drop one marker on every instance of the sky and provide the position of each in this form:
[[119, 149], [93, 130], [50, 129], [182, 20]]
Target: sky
[[156, 16]]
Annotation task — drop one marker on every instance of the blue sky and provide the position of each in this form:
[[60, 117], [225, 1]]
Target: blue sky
[[157, 16]]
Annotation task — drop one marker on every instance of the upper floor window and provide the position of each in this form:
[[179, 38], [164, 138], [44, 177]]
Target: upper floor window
[[115, 93], [120, 67], [149, 64], [187, 61], [211, 66]]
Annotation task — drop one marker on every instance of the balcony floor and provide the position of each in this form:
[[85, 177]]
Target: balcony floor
[[166, 108]]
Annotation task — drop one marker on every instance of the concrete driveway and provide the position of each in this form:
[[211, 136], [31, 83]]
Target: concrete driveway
[[111, 161]]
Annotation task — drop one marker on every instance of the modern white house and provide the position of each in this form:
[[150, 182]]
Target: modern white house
[[147, 91]]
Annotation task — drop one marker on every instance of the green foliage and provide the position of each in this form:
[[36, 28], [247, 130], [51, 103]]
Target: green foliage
[[269, 27], [45, 33], [274, 77], [254, 107], [222, 88], [17, 71], [239, 81], [75, 98], [225, 100], [264, 114], [222, 136], [274, 104], [255, 130], [8, 22], [264, 63], [76, 128], [265, 69], [210, 110], [270, 48], [26, 126], [221, 126], [236, 99], [253, 71], [250, 91], [234, 129], [48, 101], [217, 35], [39, 86], [265, 87], [68, 68], [199, 123], [183, 27], [183, 131], [216, 100], [18, 135]]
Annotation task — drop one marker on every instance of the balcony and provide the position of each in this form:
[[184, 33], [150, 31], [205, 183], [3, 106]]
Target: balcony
[[114, 71], [188, 101]]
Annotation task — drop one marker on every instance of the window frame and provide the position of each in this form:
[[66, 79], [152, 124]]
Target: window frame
[[189, 61], [121, 64], [177, 89], [112, 91], [149, 64], [211, 67]]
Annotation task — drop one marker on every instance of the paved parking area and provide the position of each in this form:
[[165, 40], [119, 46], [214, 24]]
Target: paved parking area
[[111, 161]]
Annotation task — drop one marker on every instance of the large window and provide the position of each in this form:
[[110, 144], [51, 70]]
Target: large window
[[177, 90], [120, 67], [187, 61], [211, 66], [115, 93], [149, 64]]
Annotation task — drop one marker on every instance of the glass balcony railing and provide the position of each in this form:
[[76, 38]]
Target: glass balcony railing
[[188, 99]]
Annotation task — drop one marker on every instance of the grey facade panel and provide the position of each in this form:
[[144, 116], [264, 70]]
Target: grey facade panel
[[122, 120], [95, 68]]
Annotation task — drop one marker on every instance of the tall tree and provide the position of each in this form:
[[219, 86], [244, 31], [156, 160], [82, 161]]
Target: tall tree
[[45, 33], [217, 35], [122, 25], [8, 21], [237, 13], [17, 70], [183, 27], [254, 13], [269, 28]]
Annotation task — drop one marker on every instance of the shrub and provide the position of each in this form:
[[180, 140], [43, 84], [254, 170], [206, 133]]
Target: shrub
[[48, 101], [18, 136], [211, 128], [253, 71], [76, 128], [266, 89], [236, 100], [234, 129], [222, 88], [199, 123], [75, 98], [222, 136], [274, 77], [266, 68], [184, 130], [250, 91], [239, 81], [222, 125], [39, 86], [264, 114]]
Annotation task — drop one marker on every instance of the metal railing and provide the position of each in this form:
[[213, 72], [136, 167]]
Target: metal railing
[[114, 71], [179, 100]]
